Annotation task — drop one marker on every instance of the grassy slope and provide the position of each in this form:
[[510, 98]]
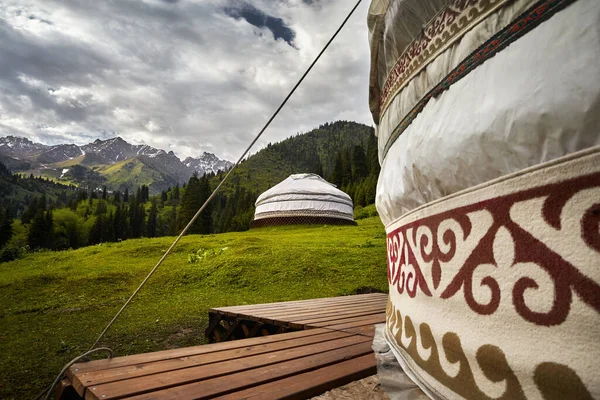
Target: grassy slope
[[131, 172], [56, 303]]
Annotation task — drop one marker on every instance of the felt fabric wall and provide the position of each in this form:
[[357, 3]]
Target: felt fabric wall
[[495, 291]]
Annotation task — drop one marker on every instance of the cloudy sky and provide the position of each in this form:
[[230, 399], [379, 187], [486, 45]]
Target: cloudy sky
[[182, 75]]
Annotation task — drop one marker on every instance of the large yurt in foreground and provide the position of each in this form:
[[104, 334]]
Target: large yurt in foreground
[[303, 199], [488, 124]]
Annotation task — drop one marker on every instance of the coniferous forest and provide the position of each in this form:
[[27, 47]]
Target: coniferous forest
[[37, 214]]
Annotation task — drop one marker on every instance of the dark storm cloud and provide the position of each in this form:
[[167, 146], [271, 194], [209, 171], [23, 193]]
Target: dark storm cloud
[[54, 62], [256, 17]]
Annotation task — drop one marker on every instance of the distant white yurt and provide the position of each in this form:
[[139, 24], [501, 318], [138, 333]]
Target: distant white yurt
[[303, 199]]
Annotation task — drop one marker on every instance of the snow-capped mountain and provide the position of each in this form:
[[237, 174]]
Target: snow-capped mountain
[[108, 151], [207, 162], [18, 147], [58, 153], [163, 168], [114, 150]]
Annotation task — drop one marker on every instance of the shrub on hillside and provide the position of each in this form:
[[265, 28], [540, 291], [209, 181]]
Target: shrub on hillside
[[365, 212]]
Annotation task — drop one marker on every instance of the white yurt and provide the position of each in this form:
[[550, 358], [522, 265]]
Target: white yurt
[[303, 199], [487, 114]]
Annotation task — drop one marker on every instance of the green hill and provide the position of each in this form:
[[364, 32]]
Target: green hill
[[158, 173], [314, 151], [56, 303], [130, 174]]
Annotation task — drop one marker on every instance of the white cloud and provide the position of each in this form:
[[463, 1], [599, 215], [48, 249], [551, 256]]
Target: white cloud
[[178, 75]]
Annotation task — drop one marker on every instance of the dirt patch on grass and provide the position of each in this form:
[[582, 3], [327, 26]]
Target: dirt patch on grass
[[367, 389], [183, 337]]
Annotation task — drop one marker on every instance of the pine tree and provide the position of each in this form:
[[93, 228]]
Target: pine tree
[[137, 214], [151, 225], [206, 216], [172, 222], [101, 207], [360, 168], [6, 230], [40, 231], [95, 235], [42, 204], [108, 233], [337, 174], [144, 193], [30, 212], [346, 167], [161, 228], [191, 201], [120, 223]]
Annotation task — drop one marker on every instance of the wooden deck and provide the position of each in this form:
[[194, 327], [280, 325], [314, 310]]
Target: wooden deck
[[331, 346], [335, 313]]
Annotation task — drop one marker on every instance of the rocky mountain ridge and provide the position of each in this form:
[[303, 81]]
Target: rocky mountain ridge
[[113, 162], [109, 151]]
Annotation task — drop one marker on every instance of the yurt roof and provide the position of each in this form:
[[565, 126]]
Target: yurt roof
[[304, 186]]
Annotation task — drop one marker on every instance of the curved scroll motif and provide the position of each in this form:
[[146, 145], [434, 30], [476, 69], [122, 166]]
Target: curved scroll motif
[[553, 380], [490, 359], [537, 247]]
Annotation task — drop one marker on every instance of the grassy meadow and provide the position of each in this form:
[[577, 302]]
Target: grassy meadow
[[54, 304]]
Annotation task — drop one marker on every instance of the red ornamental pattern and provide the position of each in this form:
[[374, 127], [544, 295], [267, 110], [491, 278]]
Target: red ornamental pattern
[[539, 246]]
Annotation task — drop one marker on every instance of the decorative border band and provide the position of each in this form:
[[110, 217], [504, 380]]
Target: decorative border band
[[540, 237], [538, 13], [448, 26], [303, 213]]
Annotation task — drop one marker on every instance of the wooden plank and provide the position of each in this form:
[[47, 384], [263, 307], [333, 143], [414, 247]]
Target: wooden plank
[[308, 301], [286, 314], [337, 316], [331, 311], [366, 330], [355, 323], [298, 308], [187, 351], [86, 379], [320, 301], [235, 382], [157, 382], [312, 383], [282, 319]]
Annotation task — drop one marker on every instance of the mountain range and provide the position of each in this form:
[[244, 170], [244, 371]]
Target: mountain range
[[114, 163]]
